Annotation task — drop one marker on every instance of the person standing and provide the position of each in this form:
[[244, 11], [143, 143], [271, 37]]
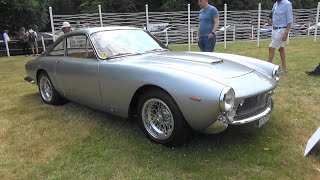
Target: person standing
[[208, 25], [282, 19], [32, 40], [66, 27], [6, 36], [23, 39]]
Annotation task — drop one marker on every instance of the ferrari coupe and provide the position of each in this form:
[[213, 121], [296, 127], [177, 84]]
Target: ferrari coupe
[[127, 72]]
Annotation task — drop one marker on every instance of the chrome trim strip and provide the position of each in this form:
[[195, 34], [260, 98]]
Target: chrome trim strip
[[30, 80]]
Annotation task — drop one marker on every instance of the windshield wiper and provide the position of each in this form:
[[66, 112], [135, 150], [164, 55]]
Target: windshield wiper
[[156, 50]]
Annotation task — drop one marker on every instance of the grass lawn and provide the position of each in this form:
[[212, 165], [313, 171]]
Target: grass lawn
[[72, 141]]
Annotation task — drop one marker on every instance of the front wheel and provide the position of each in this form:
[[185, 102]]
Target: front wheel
[[47, 91], [161, 119]]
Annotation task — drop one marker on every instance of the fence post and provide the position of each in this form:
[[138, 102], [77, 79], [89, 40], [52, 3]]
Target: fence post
[[167, 38], [52, 25], [192, 40], [189, 28], [7, 46], [316, 26], [147, 17], [252, 34], [234, 33], [225, 26], [43, 44], [100, 16], [259, 19], [309, 29]]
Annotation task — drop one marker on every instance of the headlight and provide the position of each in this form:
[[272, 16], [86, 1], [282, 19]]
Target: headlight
[[276, 73], [227, 98]]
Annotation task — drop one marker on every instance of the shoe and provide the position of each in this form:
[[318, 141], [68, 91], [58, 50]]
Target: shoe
[[283, 71], [315, 72]]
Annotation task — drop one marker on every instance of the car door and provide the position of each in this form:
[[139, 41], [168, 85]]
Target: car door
[[77, 72]]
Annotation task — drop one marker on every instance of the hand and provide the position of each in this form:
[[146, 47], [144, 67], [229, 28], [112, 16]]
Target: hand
[[285, 36], [211, 36]]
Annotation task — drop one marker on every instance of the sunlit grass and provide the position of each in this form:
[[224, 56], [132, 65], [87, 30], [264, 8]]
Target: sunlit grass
[[72, 141]]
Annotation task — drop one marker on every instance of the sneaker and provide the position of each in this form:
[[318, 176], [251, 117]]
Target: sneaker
[[315, 72], [283, 71]]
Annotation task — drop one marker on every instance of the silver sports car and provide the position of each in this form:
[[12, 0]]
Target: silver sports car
[[125, 71]]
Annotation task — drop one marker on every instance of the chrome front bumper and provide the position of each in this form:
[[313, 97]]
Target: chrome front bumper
[[220, 126], [267, 111]]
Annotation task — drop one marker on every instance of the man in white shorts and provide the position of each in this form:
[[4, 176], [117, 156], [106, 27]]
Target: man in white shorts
[[282, 19]]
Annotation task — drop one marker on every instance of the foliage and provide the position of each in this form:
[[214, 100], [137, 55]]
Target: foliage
[[22, 13], [17, 13], [115, 6], [65, 7]]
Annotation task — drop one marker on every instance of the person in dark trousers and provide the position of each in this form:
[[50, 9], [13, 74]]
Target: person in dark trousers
[[208, 25], [23, 39], [315, 72]]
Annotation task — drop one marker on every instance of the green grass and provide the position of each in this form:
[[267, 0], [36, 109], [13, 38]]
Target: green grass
[[72, 141]]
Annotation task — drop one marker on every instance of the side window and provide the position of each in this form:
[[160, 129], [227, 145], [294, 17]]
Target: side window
[[79, 47], [58, 50]]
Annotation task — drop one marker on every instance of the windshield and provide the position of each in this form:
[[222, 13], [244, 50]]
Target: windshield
[[124, 42]]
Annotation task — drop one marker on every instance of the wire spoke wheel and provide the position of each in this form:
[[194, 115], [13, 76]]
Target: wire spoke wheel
[[157, 119], [45, 89]]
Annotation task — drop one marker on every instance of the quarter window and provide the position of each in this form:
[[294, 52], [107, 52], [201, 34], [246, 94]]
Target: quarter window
[[79, 47]]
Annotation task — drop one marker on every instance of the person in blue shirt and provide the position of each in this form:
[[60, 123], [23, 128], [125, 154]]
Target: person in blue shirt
[[282, 19], [6, 36], [208, 25]]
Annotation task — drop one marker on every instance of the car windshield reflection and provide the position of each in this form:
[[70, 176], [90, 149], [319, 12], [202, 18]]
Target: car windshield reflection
[[110, 44]]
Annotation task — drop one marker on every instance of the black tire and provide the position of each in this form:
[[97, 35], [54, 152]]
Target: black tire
[[181, 132], [55, 98]]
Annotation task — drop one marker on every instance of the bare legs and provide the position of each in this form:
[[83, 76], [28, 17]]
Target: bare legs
[[271, 54], [282, 56]]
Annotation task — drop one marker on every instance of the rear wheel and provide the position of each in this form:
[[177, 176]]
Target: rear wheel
[[161, 119], [47, 91]]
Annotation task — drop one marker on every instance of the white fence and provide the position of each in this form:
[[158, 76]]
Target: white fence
[[240, 25], [181, 27]]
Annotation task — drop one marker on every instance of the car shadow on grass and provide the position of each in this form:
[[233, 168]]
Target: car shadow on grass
[[233, 136]]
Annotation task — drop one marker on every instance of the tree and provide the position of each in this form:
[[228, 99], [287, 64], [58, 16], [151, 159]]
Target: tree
[[22, 13], [65, 7], [113, 6]]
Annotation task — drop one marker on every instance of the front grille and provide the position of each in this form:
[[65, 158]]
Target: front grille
[[251, 104]]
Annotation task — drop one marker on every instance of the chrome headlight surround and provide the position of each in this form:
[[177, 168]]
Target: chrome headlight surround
[[227, 98], [276, 73]]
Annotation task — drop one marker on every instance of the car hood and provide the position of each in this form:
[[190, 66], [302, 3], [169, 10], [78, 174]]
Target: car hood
[[213, 66]]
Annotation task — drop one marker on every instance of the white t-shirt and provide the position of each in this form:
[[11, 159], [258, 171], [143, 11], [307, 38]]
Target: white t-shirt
[[6, 37]]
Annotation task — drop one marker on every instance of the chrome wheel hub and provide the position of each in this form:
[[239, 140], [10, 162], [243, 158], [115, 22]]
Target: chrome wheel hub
[[157, 119], [45, 89]]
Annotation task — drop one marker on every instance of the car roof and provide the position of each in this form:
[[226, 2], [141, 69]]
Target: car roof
[[98, 29]]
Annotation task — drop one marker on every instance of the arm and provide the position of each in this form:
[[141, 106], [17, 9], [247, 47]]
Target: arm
[[216, 24], [198, 32], [289, 17]]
